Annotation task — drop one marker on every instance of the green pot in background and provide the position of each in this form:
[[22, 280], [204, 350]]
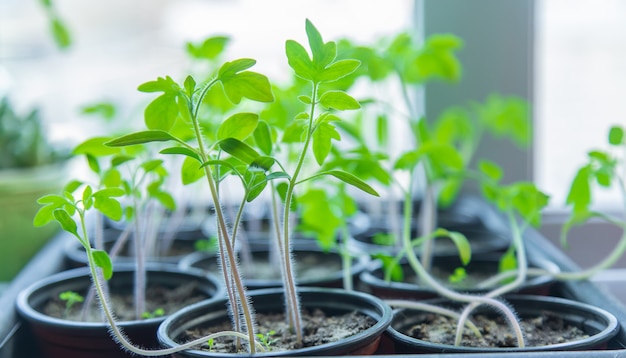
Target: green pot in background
[[19, 191]]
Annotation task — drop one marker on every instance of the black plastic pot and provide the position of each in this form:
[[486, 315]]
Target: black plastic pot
[[320, 266], [331, 301], [599, 325], [63, 338], [178, 247], [372, 280]]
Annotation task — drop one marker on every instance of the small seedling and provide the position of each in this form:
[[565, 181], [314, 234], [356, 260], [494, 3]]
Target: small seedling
[[70, 298], [458, 276], [211, 343], [159, 312], [266, 339]]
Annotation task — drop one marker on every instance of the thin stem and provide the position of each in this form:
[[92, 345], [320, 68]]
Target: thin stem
[[242, 300], [290, 286]]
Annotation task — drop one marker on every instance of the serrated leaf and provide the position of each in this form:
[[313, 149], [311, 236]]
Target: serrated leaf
[[299, 60], [338, 70], [251, 85], [102, 260], [232, 68], [141, 138], [239, 126], [166, 85], [339, 100]]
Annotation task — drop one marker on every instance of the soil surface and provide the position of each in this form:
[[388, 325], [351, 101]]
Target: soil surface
[[318, 329], [542, 330], [157, 298]]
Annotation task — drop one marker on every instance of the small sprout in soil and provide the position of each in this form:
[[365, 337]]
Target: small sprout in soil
[[70, 298], [266, 339], [458, 275], [211, 343], [159, 312]]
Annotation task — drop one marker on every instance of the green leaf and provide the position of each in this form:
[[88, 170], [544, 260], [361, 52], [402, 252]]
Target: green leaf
[[44, 215], [339, 70], [316, 43], [239, 150], [529, 201], [299, 60], [141, 138], [67, 223], [72, 186], [408, 160], [295, 131], [112, 178], [318, 217], [232, 68], [391, 267], [508, 261], [162, 112], [580, 190], [616, 135], [105, 110], [190, 87], [120, 159], [305, 99], [151, 165], [265, 163], [239, 126], [322, 141], [256, 184], [461, 242], [191, 171], [181, 151], [251, 85], [166, 85], [263, 137], [95, 147], [339, 100], [209, 49], [490, 169], [352, 180], [102, 260], [107, 205], [60, 33]]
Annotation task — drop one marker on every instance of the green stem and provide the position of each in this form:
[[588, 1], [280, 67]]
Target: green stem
[[242, 300], [292, 300]]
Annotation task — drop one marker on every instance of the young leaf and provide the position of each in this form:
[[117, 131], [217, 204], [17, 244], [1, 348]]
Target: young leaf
[[191, 171], [299, 60], [393, 271], [339, 70], [461, 242], [102, 260], [350, 179], [490, 169], [67, 223], [239, 150], [316, 43], [263, 137], [251, 85], [209, 49], [238, 126], [61, 33], [616, 135], [339, 100], [162, 112], [182, 151], [580, 190], [322, 141], [141, 138], [166, 85], [232, 68]]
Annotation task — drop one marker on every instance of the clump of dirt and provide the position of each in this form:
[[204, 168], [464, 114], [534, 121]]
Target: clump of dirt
[[545, 329], [158, 297], [318, 328]]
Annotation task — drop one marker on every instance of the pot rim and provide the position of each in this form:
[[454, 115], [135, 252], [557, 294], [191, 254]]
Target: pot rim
[[608, 320], [24, 306], [377, 309]]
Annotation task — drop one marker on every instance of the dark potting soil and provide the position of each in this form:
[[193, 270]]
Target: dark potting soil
[[318, 329], [546, 329], [158, 297]]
